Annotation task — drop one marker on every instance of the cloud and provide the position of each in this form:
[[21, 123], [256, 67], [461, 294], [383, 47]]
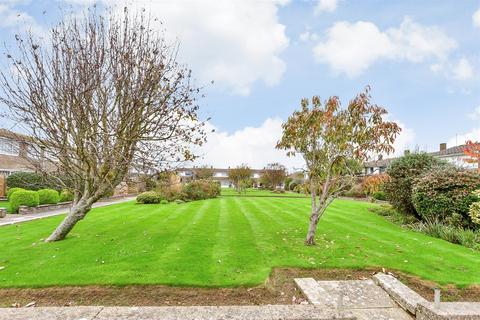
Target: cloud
[[475, 115], [351, 48], [476, 18], [254, 146], [308, 36], [325, 6], [17, 20], [405, 140], [463, 70], [473, 134], [233, 43]]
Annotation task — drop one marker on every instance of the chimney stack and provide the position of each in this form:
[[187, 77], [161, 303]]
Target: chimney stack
[[443, 146]]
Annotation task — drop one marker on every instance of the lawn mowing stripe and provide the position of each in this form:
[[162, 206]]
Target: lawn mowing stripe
[[264, 207], [374, 231], [199, 247], [221, 248], [428, 257], [282, 236], [258, 230], [189, 224], [234, 245], [242, 245], [286, 213]]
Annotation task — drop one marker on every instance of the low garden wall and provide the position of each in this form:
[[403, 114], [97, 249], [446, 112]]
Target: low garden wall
[[63, 205], [44, 208]]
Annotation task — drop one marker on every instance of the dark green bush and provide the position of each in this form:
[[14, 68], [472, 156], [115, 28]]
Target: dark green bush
[[48, 196], [30, 181], [402, 172], [148, 197], [12, 191], [24, 198], [66, 195], [379, 195], [200, 189], [445, 195]]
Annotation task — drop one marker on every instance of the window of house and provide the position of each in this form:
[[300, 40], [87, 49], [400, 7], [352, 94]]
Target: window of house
[[9, 147]]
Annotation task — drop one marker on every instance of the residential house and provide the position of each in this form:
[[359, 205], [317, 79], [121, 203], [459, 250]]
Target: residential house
[[12, 156], [219, 174], [454, 155]]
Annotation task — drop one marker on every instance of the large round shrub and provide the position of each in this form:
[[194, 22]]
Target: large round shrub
[[48, 196], [24, 198], [66, 195], [201, 189], [445, 195], [402, 172], [148, 197], [12, 191]]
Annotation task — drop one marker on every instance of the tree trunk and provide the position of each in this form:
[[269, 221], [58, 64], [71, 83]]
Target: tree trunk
[[77, 213], [312, 228]]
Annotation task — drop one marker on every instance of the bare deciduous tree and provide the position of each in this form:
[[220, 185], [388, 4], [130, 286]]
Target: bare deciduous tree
[[103, 96]]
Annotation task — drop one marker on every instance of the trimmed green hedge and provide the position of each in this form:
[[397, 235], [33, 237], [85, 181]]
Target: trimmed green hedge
[[149, 197], [48, 196], [66, 195], [12, 191], [24, 198]]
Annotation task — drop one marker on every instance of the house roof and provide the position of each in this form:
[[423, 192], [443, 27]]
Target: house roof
[[4, 133], [216, 170], [379, 163], [449, 151], [457, 150]]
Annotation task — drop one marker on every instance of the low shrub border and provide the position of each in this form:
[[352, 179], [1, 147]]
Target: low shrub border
[[48, 196], [465, 237]]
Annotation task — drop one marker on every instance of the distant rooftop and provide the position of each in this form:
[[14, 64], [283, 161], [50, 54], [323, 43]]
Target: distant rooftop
[[443, 152]]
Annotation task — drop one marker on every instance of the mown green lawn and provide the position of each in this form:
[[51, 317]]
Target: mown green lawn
[[259, 193], [5, 204], [228, 241]]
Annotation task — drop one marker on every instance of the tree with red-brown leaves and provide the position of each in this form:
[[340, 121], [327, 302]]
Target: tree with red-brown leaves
[[329, 137], [472, 151]]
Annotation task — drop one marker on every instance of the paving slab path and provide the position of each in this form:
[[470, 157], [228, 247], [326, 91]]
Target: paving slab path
[[18, 218], [363, 298], [269, 312]]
